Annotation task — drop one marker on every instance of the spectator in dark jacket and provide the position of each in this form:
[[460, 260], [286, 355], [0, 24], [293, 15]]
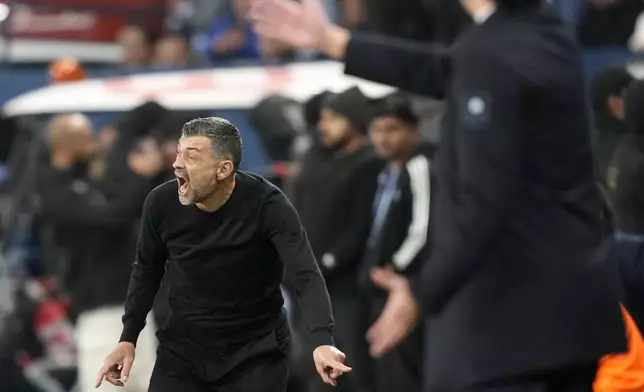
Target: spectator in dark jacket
[[626, 188], [400, 228]]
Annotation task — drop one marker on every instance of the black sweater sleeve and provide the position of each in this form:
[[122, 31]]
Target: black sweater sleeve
[[147, 273], [283, 228]]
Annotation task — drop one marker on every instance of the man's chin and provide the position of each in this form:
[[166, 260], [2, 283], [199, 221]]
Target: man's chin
[[186, 201]]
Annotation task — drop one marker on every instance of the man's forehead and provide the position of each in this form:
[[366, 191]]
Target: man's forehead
[[194, 143]]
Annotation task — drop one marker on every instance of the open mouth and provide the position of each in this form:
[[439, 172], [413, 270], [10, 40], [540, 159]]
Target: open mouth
[[183, 184]]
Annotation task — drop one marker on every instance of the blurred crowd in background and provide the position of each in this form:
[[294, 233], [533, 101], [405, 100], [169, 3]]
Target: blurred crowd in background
[[358, 170]]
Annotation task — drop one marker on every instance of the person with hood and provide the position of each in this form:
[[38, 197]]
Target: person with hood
[[399, 237], [337, 219], [607, 89]]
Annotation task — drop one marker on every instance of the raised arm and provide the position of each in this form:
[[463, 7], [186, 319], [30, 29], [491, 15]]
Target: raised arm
[[418, 68], [147, 273]]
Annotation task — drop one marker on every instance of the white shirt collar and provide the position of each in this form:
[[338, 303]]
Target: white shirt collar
[[483, 13]]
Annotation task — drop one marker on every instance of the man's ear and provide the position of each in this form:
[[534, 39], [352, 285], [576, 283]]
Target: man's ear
[[224, 170]]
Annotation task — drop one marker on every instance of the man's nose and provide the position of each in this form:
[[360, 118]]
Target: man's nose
[[178, 163]]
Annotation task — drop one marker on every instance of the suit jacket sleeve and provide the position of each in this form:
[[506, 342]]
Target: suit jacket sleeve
[[488, 136], [417, 68]]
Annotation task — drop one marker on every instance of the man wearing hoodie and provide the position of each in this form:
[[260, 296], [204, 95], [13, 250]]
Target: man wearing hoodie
[[338, 219], [399, 233]]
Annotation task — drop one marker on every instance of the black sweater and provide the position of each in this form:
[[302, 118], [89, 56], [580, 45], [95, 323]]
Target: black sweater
[[227, 265]]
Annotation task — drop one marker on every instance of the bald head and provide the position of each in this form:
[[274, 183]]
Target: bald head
[[66, 127], [71, 134]]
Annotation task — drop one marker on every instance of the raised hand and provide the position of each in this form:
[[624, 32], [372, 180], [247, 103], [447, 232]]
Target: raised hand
[[297, 25]]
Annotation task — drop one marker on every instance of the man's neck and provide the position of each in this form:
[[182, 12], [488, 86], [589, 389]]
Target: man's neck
[[219, 197], [61, 161]]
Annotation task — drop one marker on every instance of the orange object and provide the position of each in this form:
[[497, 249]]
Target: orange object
[[66, 70], [623, 372]]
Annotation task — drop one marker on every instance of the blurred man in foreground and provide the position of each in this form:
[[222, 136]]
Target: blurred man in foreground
[[400, 228], [515, 300]]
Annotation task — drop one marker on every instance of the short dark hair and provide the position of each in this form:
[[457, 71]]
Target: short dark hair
[[225, 137], [395, 105]]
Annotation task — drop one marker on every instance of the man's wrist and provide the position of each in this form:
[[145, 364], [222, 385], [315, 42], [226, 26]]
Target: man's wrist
[[334, 41], [321, 337]]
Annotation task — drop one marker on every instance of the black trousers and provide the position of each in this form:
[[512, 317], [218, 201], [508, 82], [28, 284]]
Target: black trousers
[[256, 365], [573, 379]]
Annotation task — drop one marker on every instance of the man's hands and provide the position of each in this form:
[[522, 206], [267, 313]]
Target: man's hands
[[298, 25], [117, 365], [398, 318], [329, 362]]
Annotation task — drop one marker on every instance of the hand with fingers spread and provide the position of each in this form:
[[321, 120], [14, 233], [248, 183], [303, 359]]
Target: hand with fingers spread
[[117, 365], [398, 318], [298, 25], [329, 363]]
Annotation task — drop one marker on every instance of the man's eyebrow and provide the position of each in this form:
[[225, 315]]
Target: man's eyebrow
[[192, 148]]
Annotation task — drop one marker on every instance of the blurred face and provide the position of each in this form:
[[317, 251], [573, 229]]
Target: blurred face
[[391, 138], [83, 144], [617, 107], [134, 46], [106, 137], [171, 52], [169, 150], [198, 172], [334, 130]]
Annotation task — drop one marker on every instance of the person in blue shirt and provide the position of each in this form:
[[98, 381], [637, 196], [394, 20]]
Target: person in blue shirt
[[230, 37]]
